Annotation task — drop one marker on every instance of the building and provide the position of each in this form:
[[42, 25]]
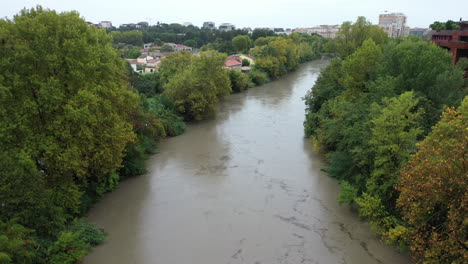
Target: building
[[326, 31], [227, 27], [209, 25], [179, 47], [143, 24], [455, 41], [420, 32], [233, 65], [187, 24], [105, 24], [394, 24]]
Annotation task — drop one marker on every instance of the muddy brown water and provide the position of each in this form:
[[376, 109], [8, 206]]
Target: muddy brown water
[[243, 188]]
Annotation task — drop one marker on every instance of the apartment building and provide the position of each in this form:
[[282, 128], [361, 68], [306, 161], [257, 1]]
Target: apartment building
[[394, 24]]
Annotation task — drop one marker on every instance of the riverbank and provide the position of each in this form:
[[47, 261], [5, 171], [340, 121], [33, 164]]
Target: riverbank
[[245, 187]]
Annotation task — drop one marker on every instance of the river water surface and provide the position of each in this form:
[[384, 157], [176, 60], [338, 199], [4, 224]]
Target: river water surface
[[243, 188]]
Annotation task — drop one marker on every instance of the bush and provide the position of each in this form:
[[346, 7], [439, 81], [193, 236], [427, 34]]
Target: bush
[[239, 81], [90, 233], [259, 77]]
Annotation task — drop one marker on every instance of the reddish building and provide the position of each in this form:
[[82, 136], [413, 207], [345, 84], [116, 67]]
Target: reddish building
[[456, 41]]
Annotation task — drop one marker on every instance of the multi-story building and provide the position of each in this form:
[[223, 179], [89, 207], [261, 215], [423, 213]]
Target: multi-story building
[[326, 31], [455, 41], [420, 32], [394, 24], [209, 25], [227, 27], [105, 24]]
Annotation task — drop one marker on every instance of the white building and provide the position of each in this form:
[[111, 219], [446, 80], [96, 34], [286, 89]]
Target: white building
[[209, 25], [227, 27], [326, 31], [394, 24], [105, 24]]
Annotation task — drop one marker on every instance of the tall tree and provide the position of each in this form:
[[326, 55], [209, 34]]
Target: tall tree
[[241, 43], [65, 115], [197, 87], [434, 196]]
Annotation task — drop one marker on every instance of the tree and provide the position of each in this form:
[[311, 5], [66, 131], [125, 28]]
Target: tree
[[433, 186], [190, 43], [394, 133], [65, 116], [352, 36], [133, 53], [449, 25], [241, 43], [257, 33], [166, 48], [356, 68], [196, 88], [239, 81]]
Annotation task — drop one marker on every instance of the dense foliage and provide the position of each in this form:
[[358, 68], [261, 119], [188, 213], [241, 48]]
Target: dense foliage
[[368, 110], [196, 83], [71, 127], [277, 56], [436, 208], [449, 25]]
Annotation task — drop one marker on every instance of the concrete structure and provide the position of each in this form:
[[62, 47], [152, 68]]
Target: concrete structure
[[420, 32], [105, 24], [455, 41], [179, 47], [209, 25], [143, 24], [227, 27], [187, 24], [326, 31], [394, 24]]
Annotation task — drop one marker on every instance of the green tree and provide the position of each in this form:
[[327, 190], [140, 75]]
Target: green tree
[[65, 86], [449, 25], [197, 88], [133, 53], [241, 43], [394, 133], [16, 244], [239, 81], [191, 43], [356, 68], [352, 36], [166, 48], [433, 186]]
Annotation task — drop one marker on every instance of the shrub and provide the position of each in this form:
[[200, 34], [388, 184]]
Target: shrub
[[259, 77]]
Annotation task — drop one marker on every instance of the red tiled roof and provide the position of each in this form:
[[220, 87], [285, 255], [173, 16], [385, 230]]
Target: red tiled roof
[[232, 63]]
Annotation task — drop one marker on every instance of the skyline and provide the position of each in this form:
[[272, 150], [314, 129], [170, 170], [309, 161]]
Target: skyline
[[245, 13]]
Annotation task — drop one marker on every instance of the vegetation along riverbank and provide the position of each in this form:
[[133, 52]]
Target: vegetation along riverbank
[[76, 119], [391, 116]]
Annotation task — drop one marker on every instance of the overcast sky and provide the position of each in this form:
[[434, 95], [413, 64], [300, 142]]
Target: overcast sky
[[249, 13]]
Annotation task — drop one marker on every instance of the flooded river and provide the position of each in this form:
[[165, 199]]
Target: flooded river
[[243, 188]]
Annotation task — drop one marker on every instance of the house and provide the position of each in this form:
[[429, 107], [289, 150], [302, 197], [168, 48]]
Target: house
[[144, 58], [147, 45], [152, 65], [179, 47], [455, 41], [241, 57], [233, 65], [133, 64]]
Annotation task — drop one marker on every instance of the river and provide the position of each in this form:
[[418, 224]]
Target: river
[[243, 188]]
